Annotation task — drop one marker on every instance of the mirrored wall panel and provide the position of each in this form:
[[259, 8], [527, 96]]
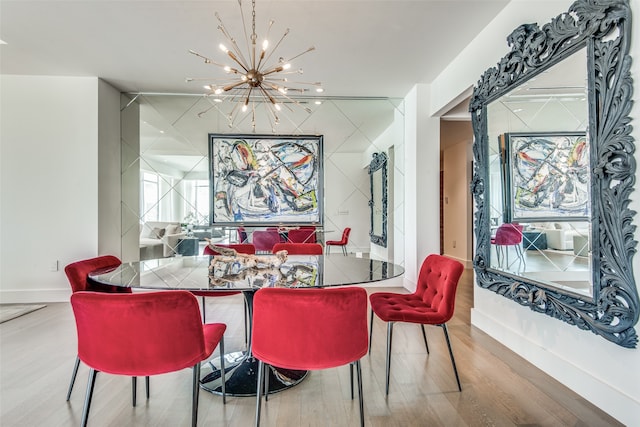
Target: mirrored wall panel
[[165, 175]]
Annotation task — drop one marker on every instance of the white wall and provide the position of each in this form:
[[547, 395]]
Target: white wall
[[604, 373], [422, 182], [49, 183]]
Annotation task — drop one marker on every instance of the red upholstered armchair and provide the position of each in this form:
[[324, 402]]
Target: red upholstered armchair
[[309, 329], [299, 248], [432, 303], [77, 274], [146, 333]]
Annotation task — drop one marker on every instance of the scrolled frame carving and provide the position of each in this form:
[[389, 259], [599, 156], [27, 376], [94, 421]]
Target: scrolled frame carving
[[379, 163], [604, 27]]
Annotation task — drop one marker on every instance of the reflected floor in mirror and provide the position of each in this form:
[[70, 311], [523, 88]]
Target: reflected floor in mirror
[[499, 388], [563, 270]]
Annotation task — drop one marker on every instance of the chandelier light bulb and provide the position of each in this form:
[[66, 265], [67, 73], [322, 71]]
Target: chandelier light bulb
[[223, 48], [218, 91], [265, 45], [286, 66]]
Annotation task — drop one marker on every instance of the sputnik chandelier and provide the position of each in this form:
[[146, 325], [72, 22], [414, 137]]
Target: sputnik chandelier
[[254, 79]]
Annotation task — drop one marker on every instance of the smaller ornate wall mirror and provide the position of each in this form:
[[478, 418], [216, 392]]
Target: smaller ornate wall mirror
[[378, 202], [554, 169]]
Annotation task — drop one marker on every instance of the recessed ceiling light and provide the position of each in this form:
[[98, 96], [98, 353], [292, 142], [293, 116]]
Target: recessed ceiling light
[[3, 42]]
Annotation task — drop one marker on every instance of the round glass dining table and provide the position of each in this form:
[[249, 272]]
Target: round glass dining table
[[220, 273]]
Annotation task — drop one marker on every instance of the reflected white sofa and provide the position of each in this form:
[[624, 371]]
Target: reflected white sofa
[[159, 239], [560, 234]]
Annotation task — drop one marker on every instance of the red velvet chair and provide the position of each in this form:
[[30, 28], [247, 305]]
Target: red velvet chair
[[509, 234], [299, 248], [342, 242], [309, 329], [146, 333], [302, 235], [77, 273], [242, 248], [431, 304], [264, 240]]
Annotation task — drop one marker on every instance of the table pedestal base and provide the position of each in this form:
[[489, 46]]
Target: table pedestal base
[[241, 375]]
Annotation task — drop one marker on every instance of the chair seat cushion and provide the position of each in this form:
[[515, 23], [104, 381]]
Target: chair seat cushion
[[393, 307]]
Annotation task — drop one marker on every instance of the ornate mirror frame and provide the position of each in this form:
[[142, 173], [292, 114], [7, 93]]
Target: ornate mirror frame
[[378, 171], [604, 27]]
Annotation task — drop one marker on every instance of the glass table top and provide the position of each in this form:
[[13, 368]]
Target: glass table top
[[221, 273]]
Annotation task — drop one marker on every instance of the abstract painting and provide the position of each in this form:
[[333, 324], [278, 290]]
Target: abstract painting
[[265, 179], [546, 176]]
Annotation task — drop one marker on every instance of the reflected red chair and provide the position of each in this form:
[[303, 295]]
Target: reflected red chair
[[264, 240], [309, 329], [432, 303], [242, 248], [509, 234], [77, 274], [299, 248], [342, 242], [302, 235], [146, 333]]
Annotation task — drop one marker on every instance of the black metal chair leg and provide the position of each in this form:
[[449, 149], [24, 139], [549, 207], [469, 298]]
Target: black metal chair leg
[[389, 337], [73, 377], [195, 395], [146, 385], [453, 361], [424, 336], [360, 397], [134, 387], [259, 391], [267, 376], [204, 311], [87, 400], [222, 372], [351, 377]]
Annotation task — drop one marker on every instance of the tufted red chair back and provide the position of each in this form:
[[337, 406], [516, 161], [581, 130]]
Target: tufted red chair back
[[302, 235], [437, 284], [142, 334], [78, 271], [299, 248], [241, 248], [264, 240], [306, 328]]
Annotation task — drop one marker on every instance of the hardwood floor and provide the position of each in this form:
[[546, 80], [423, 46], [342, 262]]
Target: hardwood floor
[[499, 388]]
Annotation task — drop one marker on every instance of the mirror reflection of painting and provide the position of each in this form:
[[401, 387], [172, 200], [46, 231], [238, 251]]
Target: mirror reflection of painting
[[262, 179], [547, 176]]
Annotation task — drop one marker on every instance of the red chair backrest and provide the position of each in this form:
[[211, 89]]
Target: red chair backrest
[[241, 248], [78, 271], [508, 234], [299, 248], [139, 334], [264, 240], [345, 235], [437, 284], [302, 235], [310, 328]]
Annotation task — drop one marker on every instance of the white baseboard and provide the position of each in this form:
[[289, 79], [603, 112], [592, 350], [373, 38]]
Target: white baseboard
[[33, 296], [603, 395]]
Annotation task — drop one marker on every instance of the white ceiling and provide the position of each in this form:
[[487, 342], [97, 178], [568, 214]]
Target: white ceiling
[[363, 47]]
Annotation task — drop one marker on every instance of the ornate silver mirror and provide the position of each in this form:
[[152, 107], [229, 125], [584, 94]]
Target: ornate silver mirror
[[378, 202], [554, 169]]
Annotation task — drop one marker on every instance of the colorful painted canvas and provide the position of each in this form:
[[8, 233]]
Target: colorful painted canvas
[[266, 179], [547, 176]]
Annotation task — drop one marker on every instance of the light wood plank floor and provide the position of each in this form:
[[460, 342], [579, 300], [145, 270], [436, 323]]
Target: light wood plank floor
[[498, 387]]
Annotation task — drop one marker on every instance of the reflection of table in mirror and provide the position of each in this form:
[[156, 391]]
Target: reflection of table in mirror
[[193, 273]]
